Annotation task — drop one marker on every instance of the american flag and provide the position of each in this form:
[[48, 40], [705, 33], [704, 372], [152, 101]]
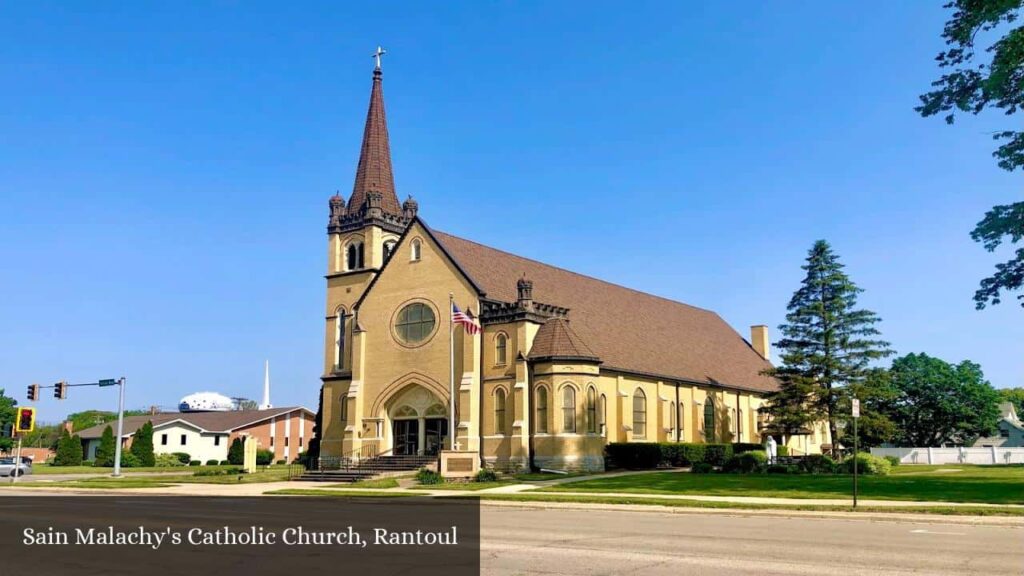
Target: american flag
[[467, 321]]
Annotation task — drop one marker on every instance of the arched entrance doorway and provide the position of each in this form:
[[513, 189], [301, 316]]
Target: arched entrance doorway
[[418, 422]]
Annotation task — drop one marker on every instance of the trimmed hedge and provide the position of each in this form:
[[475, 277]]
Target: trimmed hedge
[[747, 462], [648, 455], [818, 464]]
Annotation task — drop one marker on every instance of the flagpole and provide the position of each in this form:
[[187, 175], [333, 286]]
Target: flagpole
[[451, 371]]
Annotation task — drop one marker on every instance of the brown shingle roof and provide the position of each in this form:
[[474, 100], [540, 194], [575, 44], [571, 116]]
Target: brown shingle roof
[[374, 170], [556, 340], [210, 421], [629, 330]]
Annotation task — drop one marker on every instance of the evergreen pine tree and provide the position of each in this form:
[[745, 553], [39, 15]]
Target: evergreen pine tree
[[69, 450], [827, 345], [142, 445], [105, 451], [236, 453]]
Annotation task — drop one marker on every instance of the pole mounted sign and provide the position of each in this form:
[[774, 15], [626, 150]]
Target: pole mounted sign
[[855, 411], [856, 408]]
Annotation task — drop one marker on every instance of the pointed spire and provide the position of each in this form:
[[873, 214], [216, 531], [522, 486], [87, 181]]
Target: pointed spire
[[266, 386], [373, 173]]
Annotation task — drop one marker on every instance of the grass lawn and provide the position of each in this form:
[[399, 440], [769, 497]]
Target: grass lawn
[[45, 469], [164, 480], [340, 493], [462, 485], [960, 483], [542, 476], [363, 484], [678, 503]]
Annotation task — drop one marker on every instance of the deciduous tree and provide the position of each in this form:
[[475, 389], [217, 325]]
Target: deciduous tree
[[971, 85], [940, 403]]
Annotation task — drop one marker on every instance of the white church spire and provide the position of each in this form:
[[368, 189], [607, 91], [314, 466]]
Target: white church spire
[[265, 405]]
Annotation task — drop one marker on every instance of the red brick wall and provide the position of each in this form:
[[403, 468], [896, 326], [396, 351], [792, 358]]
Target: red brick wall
[[261, 432]]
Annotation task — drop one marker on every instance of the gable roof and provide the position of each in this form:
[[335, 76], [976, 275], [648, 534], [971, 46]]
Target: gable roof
[[630, 331], [556, 340], [221, 422]]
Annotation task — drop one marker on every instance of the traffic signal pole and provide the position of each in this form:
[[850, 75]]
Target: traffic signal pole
[[120, 427], [17, 462]]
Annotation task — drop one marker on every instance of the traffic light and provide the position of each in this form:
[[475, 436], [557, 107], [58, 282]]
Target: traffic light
[[60, 390], [26, 421], [33, 392]]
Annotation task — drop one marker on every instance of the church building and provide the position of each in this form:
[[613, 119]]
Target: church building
[[562, 364]]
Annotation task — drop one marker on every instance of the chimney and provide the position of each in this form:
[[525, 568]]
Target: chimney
[[759, 340], [69, 426]]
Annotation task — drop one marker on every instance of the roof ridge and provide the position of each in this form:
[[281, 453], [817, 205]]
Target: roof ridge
[[581, 275]]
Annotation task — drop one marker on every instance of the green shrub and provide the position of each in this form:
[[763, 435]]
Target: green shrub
[[427, 476], [224, 462], [236, 453], [142, 445], [218, 472], [195, 463], [717, 454], [105, 451], [747, 462], [740, 447], [866, 464], [69, 450], [129, 460], [702, 468], [486, 475], [893, 460], [781, 450], [167, 461], [212, 462], [818, 464], [183, 457], [783, 469], [281, 461], [633, 455], [264, 457]]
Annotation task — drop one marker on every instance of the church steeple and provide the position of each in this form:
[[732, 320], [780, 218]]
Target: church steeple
[[374, 178]]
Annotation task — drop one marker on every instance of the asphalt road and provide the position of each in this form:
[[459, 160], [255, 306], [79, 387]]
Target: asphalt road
[[598, 542]]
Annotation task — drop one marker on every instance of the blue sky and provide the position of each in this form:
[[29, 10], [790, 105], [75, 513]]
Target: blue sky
[[165, 170]]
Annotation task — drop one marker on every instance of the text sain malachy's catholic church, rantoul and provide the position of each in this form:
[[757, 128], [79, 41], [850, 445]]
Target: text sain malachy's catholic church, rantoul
[[563, 365]]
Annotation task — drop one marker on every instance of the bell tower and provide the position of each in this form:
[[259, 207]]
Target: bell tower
[[361, 231]]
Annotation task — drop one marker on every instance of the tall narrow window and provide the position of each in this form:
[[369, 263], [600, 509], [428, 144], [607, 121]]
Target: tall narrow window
[[542, 410], [591, 411], [739, 425], [344, 407], [602, 414], [362, 253], [672, 420], [417, 248], [501, 350], [709, 421], [639, 414], [499, 411], [568, 409], [339, 340], [354, 256]]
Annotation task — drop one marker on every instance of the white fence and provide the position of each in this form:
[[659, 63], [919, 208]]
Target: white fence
[[991, 455]]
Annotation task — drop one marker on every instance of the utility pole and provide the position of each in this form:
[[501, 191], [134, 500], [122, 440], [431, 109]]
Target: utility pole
[[120, 425]]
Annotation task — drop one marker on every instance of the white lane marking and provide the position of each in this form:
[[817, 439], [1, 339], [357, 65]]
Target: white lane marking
[[940, 533]]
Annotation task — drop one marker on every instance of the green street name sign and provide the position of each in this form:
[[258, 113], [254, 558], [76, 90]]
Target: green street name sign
[[109, 382]]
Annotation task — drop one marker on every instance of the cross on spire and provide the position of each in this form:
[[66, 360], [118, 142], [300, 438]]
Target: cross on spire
[[377, 54]]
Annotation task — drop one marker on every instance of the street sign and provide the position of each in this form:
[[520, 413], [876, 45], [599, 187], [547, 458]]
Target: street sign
[[108, 382], [856, 408]]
